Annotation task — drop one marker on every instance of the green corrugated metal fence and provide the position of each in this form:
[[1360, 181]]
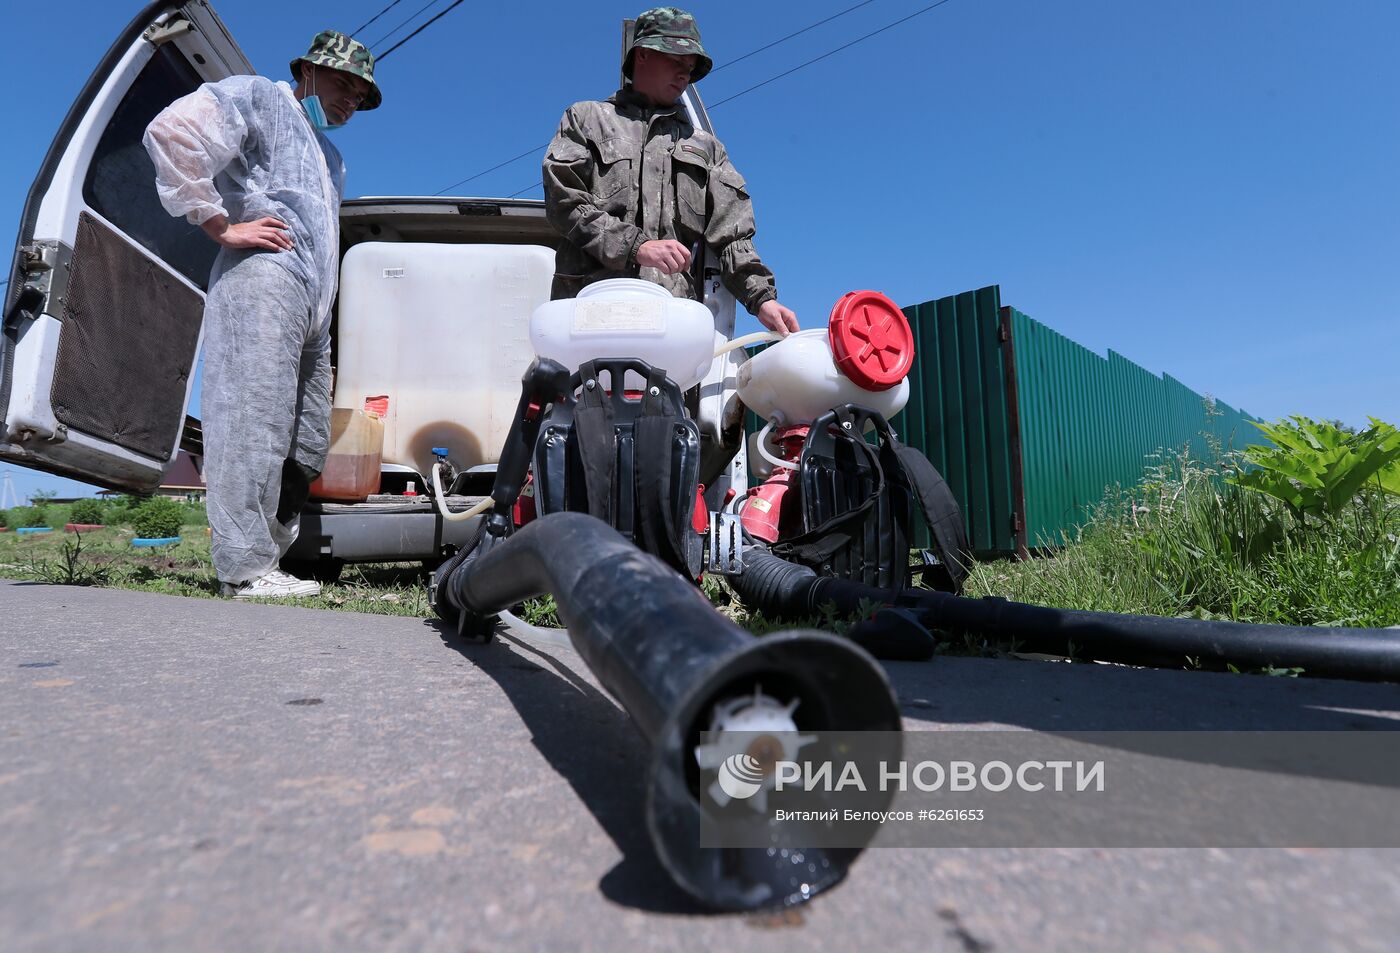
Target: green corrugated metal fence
[[1055, 423], [958, 412], [1088, 422]]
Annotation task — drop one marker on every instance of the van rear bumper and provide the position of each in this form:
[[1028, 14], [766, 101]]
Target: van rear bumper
[[376, 532]]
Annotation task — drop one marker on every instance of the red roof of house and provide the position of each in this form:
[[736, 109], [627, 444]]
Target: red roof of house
[[184, 474]]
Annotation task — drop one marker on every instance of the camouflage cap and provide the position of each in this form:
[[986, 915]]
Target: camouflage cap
[[670, 30], [338, 51]]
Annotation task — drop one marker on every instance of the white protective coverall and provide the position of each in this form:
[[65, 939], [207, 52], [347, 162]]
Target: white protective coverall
[[244, 148]]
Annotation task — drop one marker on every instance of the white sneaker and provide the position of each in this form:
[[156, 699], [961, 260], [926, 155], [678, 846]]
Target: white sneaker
[[275, 585]]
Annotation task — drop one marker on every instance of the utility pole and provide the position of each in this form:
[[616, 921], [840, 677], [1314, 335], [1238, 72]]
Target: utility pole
[[8, 498]]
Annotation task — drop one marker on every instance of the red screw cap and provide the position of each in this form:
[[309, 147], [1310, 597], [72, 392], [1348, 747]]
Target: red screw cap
[[871, 340]]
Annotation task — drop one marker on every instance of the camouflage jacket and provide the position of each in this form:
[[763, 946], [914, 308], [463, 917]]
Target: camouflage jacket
[[622, 172]]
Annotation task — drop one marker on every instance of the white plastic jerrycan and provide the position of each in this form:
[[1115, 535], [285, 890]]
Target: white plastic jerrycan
[[862, 357], [627, 317]]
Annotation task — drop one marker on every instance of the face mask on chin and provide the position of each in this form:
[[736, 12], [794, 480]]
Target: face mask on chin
[[311, 103], [317, 114]]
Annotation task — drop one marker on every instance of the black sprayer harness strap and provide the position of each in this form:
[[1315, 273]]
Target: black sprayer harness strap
[[653, 435], [857, 501], [945, 523], [818, 544], [596, 431]]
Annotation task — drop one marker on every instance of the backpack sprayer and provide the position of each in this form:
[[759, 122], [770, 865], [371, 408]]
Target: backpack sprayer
[[841, 490]]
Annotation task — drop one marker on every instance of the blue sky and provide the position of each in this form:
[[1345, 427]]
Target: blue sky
[[1207, 187]]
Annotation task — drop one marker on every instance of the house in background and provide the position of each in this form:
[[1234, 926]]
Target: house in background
[[184, 480]]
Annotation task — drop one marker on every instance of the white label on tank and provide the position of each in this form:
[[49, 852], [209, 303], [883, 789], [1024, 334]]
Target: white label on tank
[[393, 272], [600, 317]]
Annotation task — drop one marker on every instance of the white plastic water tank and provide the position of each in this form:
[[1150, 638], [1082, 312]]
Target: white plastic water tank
[[628, 317], [443, 330], [796, 380], [863, 356]]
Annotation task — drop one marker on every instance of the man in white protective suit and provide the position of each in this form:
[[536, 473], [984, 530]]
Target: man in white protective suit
[[247, 159]]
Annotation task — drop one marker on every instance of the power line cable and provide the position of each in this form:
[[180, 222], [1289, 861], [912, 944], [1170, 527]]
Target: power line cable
[[767, 46], [402, 23], [371, 20], [498, 165], [435, 19], [744, 93], [818, 59]]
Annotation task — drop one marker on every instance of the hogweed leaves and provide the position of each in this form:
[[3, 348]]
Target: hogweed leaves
[[1315, 468]]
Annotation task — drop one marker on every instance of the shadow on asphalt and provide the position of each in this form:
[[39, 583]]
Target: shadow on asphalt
[[1060, 696], [594, 746]]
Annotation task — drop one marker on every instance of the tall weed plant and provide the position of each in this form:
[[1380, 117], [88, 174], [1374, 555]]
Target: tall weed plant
[[1187, 542], [1317, 468]]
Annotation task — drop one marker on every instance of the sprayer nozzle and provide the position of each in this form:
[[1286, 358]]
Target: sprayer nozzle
[[755, 732]]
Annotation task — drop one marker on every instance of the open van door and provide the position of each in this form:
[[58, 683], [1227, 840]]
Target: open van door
[[717, 410], [104, 311]]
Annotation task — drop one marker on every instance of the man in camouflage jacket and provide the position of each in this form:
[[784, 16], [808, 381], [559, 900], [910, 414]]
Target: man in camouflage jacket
[[635, 189]]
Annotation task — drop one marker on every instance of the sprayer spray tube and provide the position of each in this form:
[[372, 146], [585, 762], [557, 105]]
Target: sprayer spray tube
[[659, 647]]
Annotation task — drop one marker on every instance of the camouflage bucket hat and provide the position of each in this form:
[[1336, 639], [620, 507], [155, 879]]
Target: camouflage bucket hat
[[670, 30], [338, 51]]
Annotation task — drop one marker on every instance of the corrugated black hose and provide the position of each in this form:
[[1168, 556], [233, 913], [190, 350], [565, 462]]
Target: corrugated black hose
[[786, 590]]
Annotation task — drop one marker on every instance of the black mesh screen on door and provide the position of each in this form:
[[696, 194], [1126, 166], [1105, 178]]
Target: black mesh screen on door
[[127, 346]]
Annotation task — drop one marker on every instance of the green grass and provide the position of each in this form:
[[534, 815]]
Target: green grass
[[1184, 543], [106, 557]]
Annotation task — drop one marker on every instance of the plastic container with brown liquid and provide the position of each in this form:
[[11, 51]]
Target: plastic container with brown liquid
[[351, 473]]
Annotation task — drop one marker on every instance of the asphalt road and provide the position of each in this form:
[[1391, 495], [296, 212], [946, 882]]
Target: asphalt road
[[196, 775]]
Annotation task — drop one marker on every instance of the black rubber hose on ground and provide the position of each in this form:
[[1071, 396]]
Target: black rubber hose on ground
[[787, 590]]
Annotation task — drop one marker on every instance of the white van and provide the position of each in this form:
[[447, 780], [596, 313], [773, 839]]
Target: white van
[[104, 310]]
